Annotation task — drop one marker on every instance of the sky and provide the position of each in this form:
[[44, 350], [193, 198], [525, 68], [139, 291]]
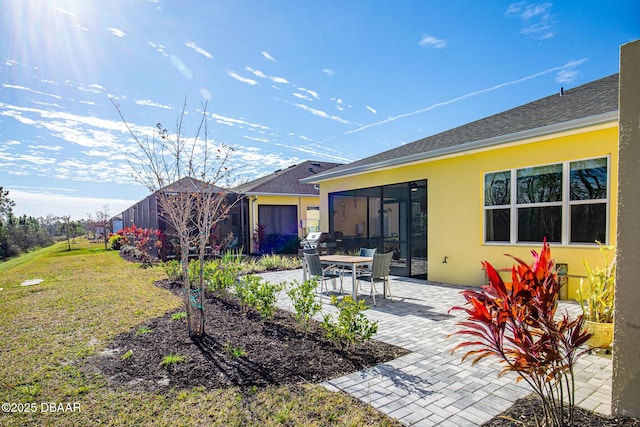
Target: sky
[[283, 81]]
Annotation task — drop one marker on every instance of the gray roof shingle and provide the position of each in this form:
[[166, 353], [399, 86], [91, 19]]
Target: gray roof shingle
[[590, 99], [287, 181]]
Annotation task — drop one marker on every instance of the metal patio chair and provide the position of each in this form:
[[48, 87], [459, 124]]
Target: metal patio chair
[[379, 274]]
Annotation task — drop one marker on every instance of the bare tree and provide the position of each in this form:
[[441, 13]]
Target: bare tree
[[101, 221], [189, 177]]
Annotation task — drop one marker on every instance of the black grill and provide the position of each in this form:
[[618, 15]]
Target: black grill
[[321, 242]]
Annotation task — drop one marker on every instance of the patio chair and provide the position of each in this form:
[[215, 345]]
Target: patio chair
[[317, 272], [379, 274]]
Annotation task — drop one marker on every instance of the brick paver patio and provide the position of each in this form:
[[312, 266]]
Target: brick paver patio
[[430, 386]]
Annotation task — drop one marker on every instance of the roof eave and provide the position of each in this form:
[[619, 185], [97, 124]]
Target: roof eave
[[258, 193], [596, 120]]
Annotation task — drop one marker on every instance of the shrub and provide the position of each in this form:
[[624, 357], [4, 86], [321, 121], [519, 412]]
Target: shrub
[[116, 241], [179, 315], [173, 270], [352, 326], [304, 301], [516, 322], [262, 295], [597, 297], [233, 351]]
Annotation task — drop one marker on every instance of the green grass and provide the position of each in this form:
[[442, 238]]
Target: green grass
[[87, 297]]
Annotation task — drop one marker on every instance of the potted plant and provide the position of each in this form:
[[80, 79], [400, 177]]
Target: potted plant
[[596, 297]]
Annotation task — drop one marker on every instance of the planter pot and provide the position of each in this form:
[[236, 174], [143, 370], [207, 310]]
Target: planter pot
[[601, 334]]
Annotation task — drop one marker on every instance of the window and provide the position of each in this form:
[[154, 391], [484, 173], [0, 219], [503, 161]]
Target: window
[[565, 203]]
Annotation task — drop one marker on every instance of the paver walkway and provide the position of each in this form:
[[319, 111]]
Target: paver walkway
[[430, 386]]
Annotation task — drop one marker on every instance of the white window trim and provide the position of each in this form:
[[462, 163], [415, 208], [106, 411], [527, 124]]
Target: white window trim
[[565, 203]]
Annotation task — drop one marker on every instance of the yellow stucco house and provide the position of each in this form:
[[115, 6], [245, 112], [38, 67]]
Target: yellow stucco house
[[285, 208], [496, 186]]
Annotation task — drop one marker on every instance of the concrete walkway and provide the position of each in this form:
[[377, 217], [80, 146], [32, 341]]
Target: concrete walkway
[[430, 386]]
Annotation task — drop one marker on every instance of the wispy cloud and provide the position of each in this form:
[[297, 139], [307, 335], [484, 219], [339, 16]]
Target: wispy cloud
[[149, 103], [241, 79], [569, 73], [310, 92], [536, 18], [302, 96], [27, 89], [117, 32], [373, 110], [159, 48], [94, 88], [431, 41], [327, 71], [198, 49], [322, 114], [236, 122], [559, 69], [258, 73], [267, 56]]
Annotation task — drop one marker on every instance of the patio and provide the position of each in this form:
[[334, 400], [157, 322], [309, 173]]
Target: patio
[[430, 386]]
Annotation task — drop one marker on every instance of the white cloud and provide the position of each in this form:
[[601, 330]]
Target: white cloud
[[267, 56], [536, 19], [256, 73], [372, 110], [150, 103], [30, 90], [310, 92], [117, 32], [253, 138], [242, 79], [431, 41], [198, 49], [321, 113], [46, 147], [280, 80], [327, 71], [232, 122], [301, 96]]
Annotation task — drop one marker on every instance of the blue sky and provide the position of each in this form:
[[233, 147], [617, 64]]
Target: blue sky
[[285, 81]]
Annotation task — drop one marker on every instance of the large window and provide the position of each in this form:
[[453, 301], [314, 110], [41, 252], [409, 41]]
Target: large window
[[565, 203]]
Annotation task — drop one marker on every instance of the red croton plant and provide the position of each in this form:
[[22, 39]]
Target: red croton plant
[[517, 322]]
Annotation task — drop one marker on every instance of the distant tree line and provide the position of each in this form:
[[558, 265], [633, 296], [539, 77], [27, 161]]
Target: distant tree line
[[20, 234]]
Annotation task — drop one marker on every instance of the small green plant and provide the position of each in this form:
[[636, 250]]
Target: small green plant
[[143, 330], [127, 355], [234, 351], [225, 275], [179, 315], [173, 270], [304, 302], [596, 297], [352, 326], [262, 295], [171, 360]]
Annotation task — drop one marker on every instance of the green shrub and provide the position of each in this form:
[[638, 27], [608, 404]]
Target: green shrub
[[116, 241], [173, 270], [234, 351], [303, 298], [179, 315], [351, 326], [261, 295]]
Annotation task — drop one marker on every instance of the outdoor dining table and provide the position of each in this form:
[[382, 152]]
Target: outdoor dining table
[[352, 261]]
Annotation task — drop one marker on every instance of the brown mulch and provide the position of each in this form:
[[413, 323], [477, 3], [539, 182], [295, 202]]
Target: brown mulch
[[523, 413], [276, 351]]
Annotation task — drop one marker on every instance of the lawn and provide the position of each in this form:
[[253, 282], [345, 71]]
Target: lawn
[[88, 296]]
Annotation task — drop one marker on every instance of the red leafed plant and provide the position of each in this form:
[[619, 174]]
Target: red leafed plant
[[517, 322]]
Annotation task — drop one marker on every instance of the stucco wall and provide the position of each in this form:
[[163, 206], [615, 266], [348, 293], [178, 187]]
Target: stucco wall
[[455, 202], [626, 345]]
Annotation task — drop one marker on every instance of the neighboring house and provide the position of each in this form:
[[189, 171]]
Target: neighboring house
[[285, 208], [145, 214], [499, 185]]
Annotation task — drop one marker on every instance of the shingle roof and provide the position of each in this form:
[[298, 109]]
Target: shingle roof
[[591, 99], [287, 181]]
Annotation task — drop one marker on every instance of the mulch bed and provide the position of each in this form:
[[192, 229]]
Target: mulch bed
[[523, 413], [276, 351]]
